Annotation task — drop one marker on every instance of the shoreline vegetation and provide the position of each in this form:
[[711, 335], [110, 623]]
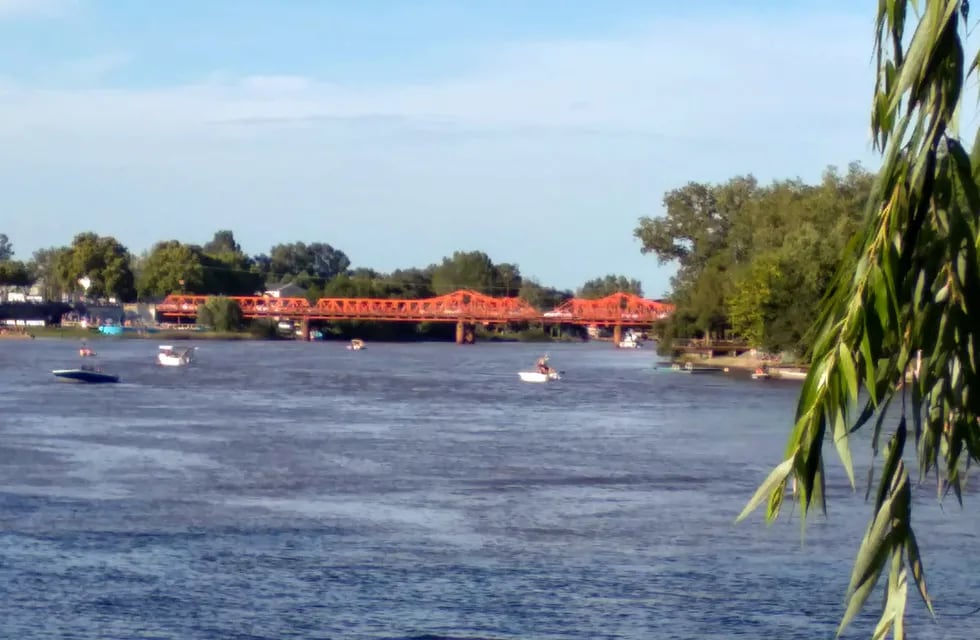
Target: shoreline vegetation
[[171, 335], [96, 270]]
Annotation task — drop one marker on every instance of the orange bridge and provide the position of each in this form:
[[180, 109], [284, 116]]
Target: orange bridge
[[462, 307]]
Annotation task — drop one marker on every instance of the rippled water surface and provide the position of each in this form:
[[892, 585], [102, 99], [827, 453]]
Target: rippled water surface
[[290, 490]]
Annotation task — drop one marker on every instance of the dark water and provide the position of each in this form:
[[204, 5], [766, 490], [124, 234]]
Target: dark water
[[420, 491]]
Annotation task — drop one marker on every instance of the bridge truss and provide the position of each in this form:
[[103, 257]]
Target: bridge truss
[[621, 309]]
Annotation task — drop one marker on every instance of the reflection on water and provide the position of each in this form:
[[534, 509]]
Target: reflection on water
[[288, 490]]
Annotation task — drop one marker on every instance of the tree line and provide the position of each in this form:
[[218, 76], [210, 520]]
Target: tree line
[[754, 261], [101, 267]]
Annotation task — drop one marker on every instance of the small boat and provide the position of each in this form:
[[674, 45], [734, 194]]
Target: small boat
[[630, 341], [537, 376], [356, 345], [542, 373], [761, 374], [85, 352], [170, 357], [85, 374]]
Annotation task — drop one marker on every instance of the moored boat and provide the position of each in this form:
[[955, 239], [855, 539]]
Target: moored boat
[[85, 374], [689, 367], [761, 373], [789, 373]]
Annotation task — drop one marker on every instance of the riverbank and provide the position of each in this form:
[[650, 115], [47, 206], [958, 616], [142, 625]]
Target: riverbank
[[747, 364]]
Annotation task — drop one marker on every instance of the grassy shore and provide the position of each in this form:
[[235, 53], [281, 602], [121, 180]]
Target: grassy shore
[[70, 333]]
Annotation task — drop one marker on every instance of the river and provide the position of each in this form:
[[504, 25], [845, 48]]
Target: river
[[300, 490]]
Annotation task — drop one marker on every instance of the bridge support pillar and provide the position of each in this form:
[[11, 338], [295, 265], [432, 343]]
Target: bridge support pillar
[[304, 327], [465, 333], [617, 335]]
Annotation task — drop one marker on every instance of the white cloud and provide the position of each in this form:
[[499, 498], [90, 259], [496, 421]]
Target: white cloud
[[690, 78], [544, 155]]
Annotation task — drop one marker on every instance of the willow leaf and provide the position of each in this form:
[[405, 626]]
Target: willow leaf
[[775, 478], [895, 599], [843, 446], [848, 368], [918, 572], [863, 588]]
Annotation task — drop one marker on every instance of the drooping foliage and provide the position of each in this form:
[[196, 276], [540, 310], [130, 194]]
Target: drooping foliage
[[901, 322]]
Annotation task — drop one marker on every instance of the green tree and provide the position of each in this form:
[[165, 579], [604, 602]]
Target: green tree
[[608, 285], [465, 270], [410, 283], [357, 285], [44, 271], [509, 279], [227, 269], [171, 267], [749, 303], [14, 273], [905, 303], [101, 259], [6, 248], [304, 264], [694, 228], [542, 297], [221, 314], [717, 234]]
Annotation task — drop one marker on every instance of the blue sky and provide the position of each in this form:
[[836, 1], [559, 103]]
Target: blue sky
[[399, 132]]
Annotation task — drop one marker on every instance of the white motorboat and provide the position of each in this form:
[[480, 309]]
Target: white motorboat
[[630, 341], [170, 357], [543, 372], [537, 376], [356, 345]]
